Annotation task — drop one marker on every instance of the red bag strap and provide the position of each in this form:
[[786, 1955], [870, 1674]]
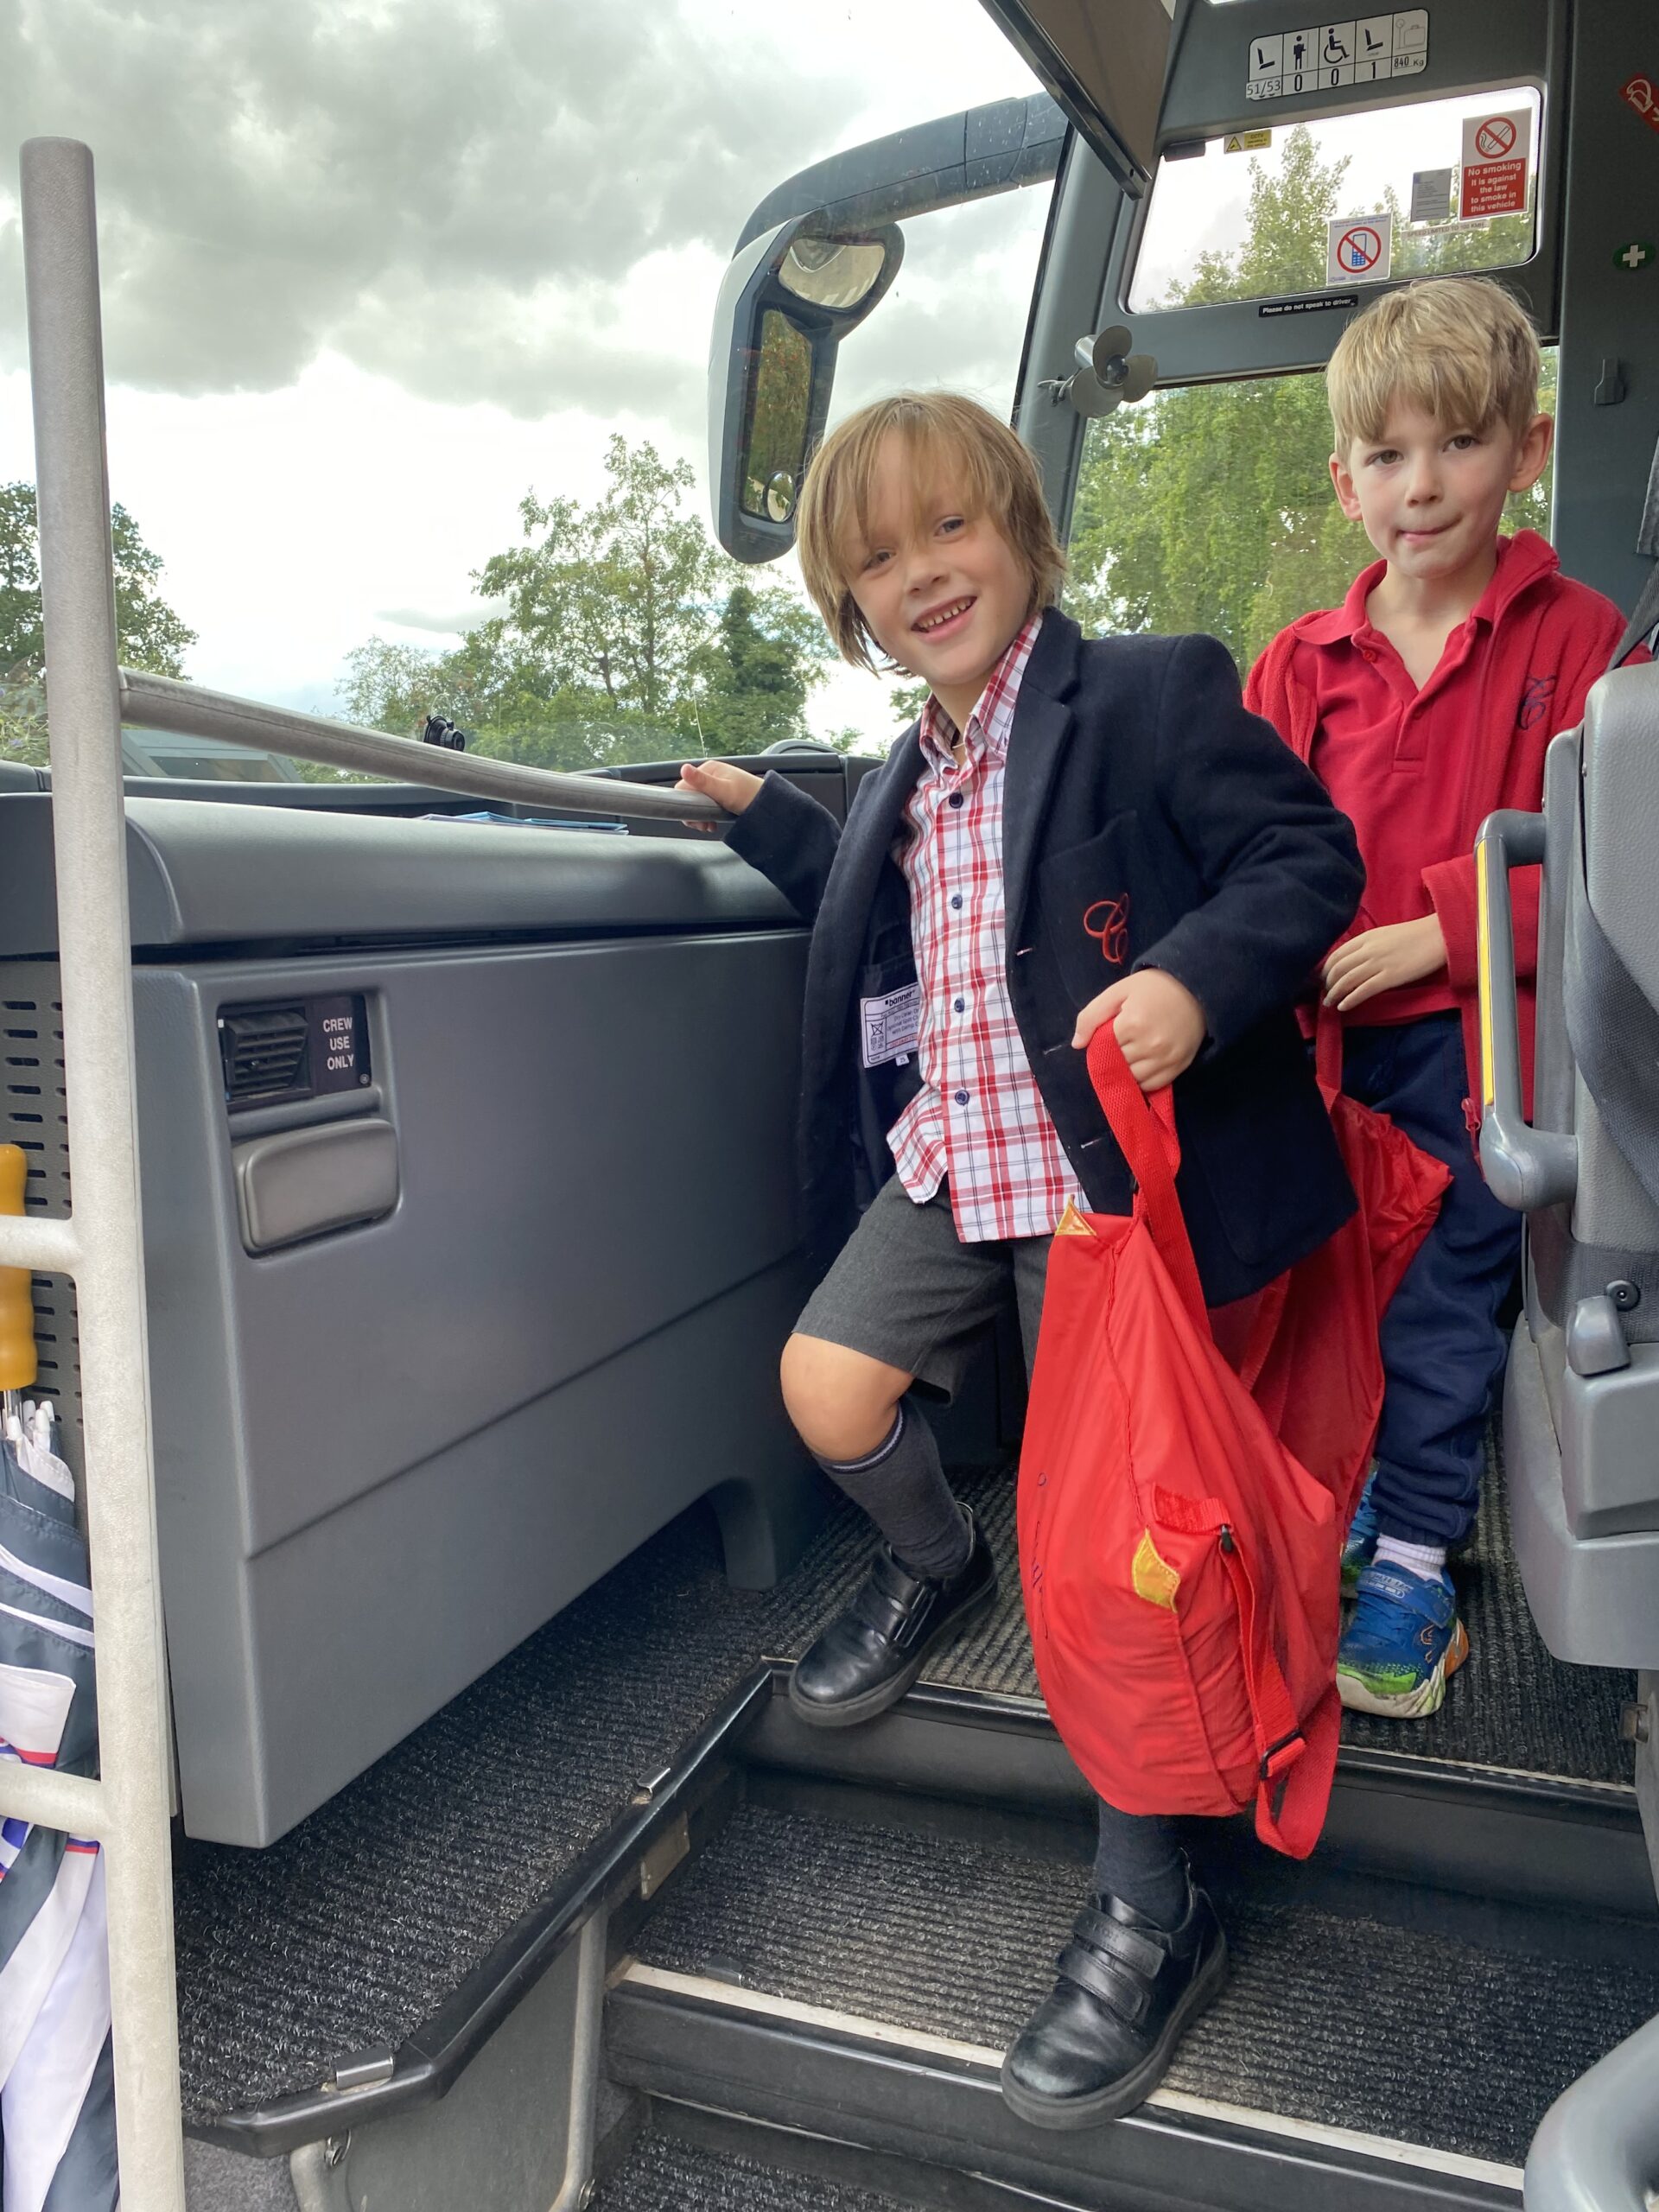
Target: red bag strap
[[1328, 1047], [1292, 1787], [1145, 1130]]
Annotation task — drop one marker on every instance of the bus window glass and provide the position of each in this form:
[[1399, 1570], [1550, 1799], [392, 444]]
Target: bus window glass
[[1205, 241], [957, 311], [1211, 508]]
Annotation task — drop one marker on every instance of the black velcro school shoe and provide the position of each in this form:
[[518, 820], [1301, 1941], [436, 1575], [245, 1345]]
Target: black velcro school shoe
[[869, 1655], [1102, 2040]]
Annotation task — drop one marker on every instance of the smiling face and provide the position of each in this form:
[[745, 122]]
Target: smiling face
[[1431, 496], [940, 588]]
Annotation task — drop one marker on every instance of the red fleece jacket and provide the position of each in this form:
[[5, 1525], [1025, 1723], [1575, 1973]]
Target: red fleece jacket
[[1418, 771]]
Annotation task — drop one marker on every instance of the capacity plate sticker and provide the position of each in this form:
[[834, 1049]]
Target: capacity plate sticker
[[1364, 50]]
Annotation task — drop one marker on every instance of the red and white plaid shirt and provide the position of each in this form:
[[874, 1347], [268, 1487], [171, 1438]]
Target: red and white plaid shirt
[[979, 1117]]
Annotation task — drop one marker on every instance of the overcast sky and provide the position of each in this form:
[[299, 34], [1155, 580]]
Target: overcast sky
[[371, 268]]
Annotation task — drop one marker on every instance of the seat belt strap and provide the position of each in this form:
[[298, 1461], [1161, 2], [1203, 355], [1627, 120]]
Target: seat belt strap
[[1644, 621], [1614, 1034]]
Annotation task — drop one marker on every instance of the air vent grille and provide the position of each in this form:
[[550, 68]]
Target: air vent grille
[[264, 1052]]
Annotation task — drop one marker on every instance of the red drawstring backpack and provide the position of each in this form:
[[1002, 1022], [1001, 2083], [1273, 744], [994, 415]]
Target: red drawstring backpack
[[1315, 1363], [1180, 1567], [1180, 1559]]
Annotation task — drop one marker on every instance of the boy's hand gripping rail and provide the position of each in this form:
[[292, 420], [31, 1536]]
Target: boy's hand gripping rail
[[1526, 1167], [187, 710]]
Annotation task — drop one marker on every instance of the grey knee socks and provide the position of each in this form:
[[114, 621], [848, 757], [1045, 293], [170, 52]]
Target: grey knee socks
[[901, 1486]]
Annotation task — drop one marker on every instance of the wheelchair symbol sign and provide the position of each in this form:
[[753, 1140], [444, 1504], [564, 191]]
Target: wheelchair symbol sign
[[1359, 250]]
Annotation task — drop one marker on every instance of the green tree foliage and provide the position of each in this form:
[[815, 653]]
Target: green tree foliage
[[611, 599], [387, 685], [908, 700], [150, 635], [1210, 508], [749, 681], [624, 634]]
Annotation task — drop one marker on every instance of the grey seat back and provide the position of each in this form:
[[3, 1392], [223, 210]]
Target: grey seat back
[[1582, 1398]]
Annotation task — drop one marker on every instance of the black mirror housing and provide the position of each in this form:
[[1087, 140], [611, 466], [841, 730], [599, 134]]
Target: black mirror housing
[[787, 300]]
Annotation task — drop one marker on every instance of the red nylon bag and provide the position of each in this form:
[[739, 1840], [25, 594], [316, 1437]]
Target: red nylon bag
[[1314, 1362], [1180, 1566]]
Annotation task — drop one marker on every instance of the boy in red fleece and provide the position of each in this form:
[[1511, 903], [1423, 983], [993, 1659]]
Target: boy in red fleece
[[1422, 702]]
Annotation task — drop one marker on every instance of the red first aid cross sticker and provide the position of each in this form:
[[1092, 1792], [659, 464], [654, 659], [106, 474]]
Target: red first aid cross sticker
[[1640, 95]]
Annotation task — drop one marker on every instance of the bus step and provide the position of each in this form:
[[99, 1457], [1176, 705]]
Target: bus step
[[687, 2160], [858, 1978]]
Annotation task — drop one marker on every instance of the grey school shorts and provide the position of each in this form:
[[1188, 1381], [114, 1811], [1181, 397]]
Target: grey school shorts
[[905, 1290]]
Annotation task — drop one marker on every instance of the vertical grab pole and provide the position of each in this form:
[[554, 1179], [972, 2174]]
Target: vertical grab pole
[[89, 839]]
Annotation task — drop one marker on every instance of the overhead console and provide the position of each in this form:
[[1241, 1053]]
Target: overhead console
[[1436, 116]]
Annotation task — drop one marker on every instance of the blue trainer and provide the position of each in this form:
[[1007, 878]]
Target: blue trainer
[[1359, 1547], [1403, 1641]]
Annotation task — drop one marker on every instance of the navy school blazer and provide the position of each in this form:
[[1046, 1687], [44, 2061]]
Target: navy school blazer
[[1149, 822]]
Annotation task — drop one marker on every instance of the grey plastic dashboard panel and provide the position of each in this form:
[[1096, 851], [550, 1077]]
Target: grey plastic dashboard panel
[[522, 1303], [385, 1455], [203, 873]]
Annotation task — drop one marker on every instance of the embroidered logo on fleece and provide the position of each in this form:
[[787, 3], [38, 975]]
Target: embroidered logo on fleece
[[1108, 920], [1535, 702]]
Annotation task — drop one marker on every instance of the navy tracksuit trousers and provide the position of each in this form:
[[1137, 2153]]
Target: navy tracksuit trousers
[[1442, 1348]]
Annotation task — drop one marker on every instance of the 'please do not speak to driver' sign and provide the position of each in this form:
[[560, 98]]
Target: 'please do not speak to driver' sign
[[1496, 148]]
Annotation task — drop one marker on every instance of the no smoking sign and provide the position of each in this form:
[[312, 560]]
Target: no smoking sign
[[1495, 138], [1495, 154], [1358, 249]]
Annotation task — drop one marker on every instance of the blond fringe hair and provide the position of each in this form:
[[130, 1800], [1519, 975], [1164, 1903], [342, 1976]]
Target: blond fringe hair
[[947, 438], [1459, 348]]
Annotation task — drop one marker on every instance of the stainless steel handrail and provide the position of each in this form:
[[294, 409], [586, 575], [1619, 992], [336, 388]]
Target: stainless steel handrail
[[128, 1806], [186, 710]]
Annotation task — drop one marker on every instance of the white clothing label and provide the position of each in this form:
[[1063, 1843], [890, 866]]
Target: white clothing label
[[891, 1028]]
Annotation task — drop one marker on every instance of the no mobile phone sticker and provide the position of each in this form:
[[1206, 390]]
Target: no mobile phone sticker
[[1495, 147], [1359, 249]]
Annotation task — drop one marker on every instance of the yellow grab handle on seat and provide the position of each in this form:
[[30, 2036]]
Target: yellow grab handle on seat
[[17, 1304]]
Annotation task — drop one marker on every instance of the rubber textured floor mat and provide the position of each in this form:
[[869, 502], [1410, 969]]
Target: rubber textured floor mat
[[358, 1925], [663, 2174], [1346, 2021]]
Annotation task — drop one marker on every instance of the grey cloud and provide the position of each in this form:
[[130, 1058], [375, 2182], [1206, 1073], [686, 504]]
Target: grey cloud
[[957, 314], [443, 621], [395, 179]]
